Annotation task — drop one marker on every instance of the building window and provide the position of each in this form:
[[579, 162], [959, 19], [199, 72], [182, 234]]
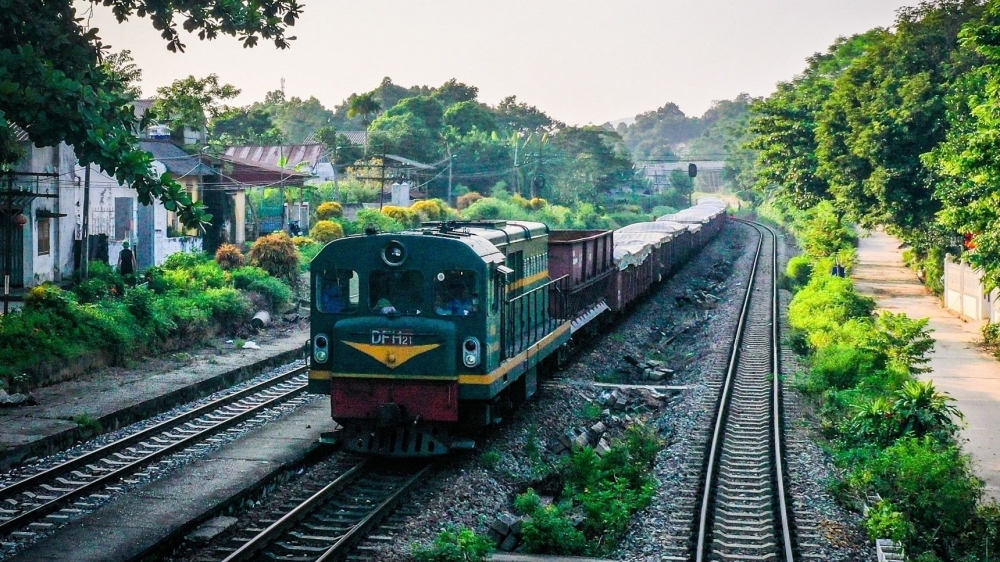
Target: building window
[[44, 236], [123, 217]]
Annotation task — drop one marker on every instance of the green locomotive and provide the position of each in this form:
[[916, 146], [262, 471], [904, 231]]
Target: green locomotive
[[423, 336]]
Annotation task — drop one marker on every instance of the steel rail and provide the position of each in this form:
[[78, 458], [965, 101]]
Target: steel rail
[[88, 488], [779, 455], [290, 519], [372, 519], [92, 456], [716, 445], [260, 542]]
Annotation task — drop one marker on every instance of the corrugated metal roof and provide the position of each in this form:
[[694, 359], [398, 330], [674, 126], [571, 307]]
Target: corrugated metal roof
[[179, 163], [356, 137], [140, 107], [20, 135], [277, 157]]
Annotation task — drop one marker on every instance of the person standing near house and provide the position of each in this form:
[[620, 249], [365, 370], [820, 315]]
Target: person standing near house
[[126, 261]]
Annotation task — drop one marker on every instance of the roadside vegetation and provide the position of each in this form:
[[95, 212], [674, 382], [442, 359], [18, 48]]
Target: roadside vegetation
[[188, 298], [892, 436]]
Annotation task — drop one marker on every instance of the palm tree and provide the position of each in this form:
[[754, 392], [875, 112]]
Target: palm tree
[[363, 105]]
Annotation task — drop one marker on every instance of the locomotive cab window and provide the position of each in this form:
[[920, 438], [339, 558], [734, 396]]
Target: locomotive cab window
[[337, 291], [399, 292], [455, 293]]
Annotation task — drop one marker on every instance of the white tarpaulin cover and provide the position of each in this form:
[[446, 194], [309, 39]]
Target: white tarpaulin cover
[[697, 214], [633, 245]]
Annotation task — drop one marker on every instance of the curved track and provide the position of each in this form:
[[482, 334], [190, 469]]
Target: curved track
[[37, 500], [744, 513]]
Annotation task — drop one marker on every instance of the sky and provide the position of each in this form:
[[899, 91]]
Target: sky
[[580, 61]]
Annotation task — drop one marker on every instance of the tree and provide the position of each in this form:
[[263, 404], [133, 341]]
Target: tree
[[189, 102], [340, 148], [364, 106], [453, 91], [969, 160], [54, 85], [425, 108], [523, 117], [245, 125], [783, 126], [299, 119], [885, 111], [466, 116], [121, 67]]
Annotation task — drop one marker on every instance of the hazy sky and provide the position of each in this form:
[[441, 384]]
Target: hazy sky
[[580, 61]]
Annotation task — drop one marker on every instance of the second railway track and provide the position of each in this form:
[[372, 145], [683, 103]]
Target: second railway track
[[42, 500]]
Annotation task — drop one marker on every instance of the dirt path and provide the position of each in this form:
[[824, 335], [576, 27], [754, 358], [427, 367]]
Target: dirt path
[[960, 368]]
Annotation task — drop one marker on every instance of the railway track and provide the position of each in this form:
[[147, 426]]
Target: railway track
[[51, 496], [744, 513], [332, 520]]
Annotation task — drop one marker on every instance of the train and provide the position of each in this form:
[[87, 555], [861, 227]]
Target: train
[[422, 338]]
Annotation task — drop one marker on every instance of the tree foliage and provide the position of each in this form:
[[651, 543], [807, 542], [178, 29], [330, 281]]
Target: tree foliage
[[54, 83], [190, 102]]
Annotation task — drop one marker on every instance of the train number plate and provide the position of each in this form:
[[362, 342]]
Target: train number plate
[[392, 337]]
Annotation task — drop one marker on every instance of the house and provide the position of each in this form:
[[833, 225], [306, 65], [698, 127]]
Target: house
[[37, 209], [154, 232], [275, 166]]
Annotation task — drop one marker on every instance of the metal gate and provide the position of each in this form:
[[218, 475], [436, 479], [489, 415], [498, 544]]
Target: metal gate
[[11, 249]]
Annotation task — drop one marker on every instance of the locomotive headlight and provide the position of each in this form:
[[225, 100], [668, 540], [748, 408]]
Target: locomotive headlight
[[470, 352], [321, 348]]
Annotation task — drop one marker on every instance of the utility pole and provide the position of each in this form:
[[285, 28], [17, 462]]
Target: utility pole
[[281, 180], [85, 250], [9, 247], [450, 160], [381, 184], [336, 175]]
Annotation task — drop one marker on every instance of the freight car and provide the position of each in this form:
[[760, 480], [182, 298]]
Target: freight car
[[423, 337]]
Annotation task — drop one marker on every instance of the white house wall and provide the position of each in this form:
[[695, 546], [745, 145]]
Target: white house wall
[[58, 263], [103, 191]]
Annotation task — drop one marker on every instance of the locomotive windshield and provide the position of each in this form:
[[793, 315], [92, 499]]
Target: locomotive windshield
[[455, 293], [337, 291], [399, 292]]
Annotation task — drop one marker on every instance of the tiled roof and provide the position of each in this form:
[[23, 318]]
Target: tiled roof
[[178, 162]]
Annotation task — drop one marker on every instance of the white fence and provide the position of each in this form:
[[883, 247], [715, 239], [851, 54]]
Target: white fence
[[965, 295]]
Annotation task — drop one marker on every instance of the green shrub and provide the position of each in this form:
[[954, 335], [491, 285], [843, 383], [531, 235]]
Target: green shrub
[[185, 260], [326, 231], [278, 294], [228, 306], [839, 366], [885, 522], [210, 275], [930, 484], [799, 270], [455, 545], [549, 529], [490, 460], [991, 333], [329, 210], [148, 311]]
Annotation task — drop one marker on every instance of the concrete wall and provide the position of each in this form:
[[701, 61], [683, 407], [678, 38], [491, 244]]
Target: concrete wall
[[965, 295]]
